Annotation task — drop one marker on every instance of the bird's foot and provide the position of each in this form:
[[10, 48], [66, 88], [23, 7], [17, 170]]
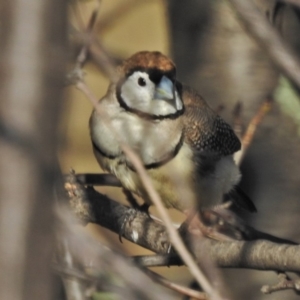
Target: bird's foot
[[218, 223], [183, 231], [221, 220]]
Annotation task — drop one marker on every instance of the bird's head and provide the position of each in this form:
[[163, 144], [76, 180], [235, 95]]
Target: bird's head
[[148, 86]]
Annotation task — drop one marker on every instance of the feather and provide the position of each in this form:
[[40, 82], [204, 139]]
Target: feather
[[205, 130]]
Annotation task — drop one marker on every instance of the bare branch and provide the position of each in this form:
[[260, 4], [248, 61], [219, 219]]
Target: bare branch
[[103, 59], [75, 286], [90, 206], [96, 264], [251, 129], [157, 260], [176, 287], [284, 283]]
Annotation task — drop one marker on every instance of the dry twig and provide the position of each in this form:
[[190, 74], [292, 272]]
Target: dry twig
[[284, 283], [176, 287], [75, 286], [100, 265], [251, 129]]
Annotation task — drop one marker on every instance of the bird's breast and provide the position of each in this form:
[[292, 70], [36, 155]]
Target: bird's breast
[[153, 140], [175, 182]]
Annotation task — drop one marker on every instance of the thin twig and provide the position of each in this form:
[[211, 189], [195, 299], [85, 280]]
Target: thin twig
[[284, 283], [82, 57], [157, 260], [262, 31], [104, 266], [93, 46], [103, 59], [77, 73], [90, 206], [251, 129], [176, 287], [74, 286]]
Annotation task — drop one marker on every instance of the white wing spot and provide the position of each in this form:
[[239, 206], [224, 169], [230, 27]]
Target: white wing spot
[[134, 236]]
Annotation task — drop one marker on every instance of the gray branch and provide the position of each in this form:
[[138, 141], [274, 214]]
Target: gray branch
[[91, 206]]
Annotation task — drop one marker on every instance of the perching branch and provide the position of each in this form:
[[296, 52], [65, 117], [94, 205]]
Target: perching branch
[[91, 206], [101, 268]]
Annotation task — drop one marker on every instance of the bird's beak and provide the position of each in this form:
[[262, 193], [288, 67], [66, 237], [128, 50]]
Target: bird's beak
[[164, 90]]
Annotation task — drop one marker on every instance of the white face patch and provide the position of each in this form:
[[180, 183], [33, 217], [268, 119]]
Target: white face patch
[[138, 92]]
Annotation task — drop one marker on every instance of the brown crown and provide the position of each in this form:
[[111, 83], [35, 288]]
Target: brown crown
[[148, 60]]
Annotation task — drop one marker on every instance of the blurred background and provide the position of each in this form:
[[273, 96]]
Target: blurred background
[[214, 55]]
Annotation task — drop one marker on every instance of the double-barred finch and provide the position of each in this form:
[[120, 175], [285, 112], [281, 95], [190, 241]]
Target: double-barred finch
[[186, 147]]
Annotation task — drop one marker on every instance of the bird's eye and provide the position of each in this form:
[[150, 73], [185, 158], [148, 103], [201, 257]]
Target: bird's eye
[[141, 81]]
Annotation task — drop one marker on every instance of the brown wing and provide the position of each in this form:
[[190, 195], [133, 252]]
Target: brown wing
[[205, 131]]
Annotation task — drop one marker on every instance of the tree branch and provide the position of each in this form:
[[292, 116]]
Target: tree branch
[[100, 267], [91, 206]]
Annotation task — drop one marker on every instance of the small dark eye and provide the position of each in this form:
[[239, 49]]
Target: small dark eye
[[141, 81]]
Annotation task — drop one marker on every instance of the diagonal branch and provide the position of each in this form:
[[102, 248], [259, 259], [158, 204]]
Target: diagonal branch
[[251, 129], [91, 206]]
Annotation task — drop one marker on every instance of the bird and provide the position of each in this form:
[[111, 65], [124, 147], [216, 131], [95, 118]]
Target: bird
[[186, 148]]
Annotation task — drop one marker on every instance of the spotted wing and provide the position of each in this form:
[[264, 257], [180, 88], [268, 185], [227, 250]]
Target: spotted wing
[[205, 131]]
